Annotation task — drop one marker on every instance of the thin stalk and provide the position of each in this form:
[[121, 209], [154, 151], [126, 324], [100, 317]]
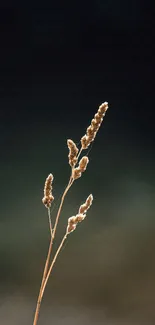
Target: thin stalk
[[60, 207], [79, 153], [50, 222], [42, 282], [52, 264], [49, 252]]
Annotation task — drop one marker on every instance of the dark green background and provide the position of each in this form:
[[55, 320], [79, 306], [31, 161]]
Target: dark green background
[[59, 62]]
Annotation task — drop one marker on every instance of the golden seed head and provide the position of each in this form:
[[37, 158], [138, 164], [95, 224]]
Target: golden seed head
[[84, 142], [94, 127], [90, 130], [73, 151], [70, 228], [73, 221], [77, 172], [48, 197], [84, 207], [94, 123], [71, 225], [103, 107], [83, 163], [79, 217]]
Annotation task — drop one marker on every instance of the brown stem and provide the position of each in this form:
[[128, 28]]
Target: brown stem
[[60, 207], [51, 266], [43, 279], [49, 219], [78, 156], [49, 253]]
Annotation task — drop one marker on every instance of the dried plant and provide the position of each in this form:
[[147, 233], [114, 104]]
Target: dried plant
[[76, 172]]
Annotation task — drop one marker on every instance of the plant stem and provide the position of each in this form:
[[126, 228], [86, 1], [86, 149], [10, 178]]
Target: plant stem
[[43, 279], [49, 252], [50, 222], [52, 264], [78, 156], [60, 207]]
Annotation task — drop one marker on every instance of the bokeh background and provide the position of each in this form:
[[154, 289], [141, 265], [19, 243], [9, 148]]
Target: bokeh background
[[59, 61]]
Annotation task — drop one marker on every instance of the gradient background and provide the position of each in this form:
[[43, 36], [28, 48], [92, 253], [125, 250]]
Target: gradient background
[[58, 62]]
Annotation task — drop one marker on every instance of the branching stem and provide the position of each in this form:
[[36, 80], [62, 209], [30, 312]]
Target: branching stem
[[52, 264], [46, 272]]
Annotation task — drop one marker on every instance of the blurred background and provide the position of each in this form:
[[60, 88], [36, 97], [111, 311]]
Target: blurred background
[[58, 62]]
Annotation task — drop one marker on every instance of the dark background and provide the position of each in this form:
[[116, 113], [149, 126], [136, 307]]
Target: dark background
[[58, 62]]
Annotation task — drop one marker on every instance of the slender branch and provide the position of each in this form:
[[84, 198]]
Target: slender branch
[[49, 252], [42, 282], [79, 153], [60, 207], [43, 286], [52, 264], [50, 222]]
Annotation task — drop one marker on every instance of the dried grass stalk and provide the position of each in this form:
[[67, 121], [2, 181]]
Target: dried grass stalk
[[73, 156]]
